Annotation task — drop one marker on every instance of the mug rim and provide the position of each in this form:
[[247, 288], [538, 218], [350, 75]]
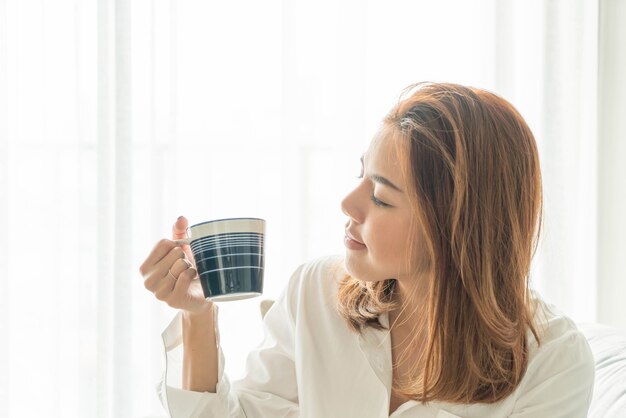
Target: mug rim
[[225, 219], [225, 225]]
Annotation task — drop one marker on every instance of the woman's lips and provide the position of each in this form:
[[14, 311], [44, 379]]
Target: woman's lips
[[353, 244]]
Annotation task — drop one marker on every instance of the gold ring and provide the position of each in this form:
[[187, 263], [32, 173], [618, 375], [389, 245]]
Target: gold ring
[[169, 272]]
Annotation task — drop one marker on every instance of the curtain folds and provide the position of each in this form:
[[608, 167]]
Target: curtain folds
[[611, 197]]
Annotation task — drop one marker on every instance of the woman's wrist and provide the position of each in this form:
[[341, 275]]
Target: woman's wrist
[[200, 358], [201, 316]]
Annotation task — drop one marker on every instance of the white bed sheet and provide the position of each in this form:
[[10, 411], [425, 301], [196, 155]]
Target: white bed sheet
[[608, 345]]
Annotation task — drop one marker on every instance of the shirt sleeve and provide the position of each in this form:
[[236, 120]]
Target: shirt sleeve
[[559, 381], [268, 388]]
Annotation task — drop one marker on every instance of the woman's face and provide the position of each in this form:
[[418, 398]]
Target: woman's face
[[379, 216]]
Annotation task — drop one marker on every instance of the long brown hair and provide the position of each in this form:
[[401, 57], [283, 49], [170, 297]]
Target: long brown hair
[[476, 193]]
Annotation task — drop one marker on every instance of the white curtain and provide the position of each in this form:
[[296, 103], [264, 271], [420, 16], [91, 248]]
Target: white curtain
[[547, 65], [116, 117]]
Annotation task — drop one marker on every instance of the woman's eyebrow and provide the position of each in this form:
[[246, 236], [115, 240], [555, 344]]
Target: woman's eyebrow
[[382, 180]]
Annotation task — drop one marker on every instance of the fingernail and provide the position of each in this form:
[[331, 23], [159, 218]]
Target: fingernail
[[180, 217]]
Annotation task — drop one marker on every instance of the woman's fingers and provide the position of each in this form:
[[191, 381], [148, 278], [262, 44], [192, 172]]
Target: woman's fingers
[[169, 275], [160, 272], [160, 250], [166, 285], [179, 229], [179, 266], [179, 295], [164, 288], [169, 272], [182, 296]]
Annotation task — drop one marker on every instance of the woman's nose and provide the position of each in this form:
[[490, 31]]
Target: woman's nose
[[350, 206]]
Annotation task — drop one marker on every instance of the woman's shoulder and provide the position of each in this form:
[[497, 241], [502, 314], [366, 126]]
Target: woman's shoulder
[[332, 263], [320, 272], [561, 344], [552, 325], [327, 269], [560, 371], [317, 279]]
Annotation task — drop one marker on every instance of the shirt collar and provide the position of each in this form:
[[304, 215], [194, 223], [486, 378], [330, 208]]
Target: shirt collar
[[375, 344]]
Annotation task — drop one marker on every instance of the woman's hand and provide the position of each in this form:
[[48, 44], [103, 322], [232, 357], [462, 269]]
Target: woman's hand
[[169, 272]]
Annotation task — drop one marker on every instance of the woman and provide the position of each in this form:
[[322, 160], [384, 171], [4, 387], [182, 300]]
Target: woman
[[428, 314]]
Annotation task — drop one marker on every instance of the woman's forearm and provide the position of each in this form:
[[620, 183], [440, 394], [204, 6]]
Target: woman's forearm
[[200, 365]]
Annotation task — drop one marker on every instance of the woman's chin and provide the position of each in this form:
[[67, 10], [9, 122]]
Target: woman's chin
[[359, 268]]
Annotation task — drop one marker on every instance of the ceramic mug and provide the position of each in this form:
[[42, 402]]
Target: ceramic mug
[[230, 257]]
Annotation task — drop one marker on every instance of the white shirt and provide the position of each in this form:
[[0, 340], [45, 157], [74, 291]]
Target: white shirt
[[311, 365]]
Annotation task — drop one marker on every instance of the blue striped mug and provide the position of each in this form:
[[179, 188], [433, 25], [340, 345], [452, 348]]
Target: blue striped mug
[[230, 257]]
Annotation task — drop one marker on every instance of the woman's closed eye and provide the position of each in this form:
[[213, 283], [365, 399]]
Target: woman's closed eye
[[378, 202], [374, 199]]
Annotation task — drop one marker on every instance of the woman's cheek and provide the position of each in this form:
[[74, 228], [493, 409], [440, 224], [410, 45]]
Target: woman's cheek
[[397, 242]]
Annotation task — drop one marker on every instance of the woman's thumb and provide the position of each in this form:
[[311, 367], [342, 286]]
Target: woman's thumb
[[179, 230]]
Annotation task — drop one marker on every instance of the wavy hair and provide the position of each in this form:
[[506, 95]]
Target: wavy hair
[[475, 189]]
